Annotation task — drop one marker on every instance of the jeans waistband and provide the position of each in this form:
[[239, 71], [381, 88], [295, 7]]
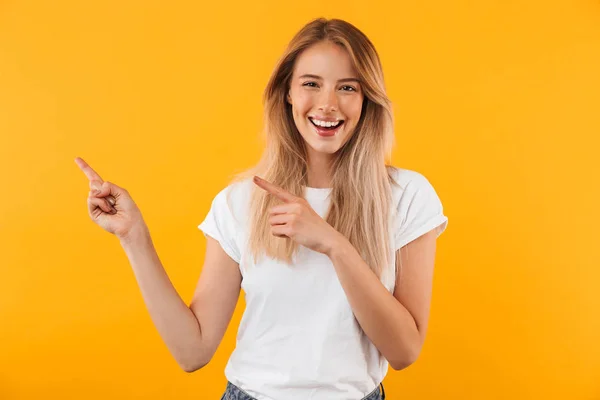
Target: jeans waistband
[[232, 392]]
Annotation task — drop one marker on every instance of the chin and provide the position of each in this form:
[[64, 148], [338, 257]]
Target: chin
[[325, 148]]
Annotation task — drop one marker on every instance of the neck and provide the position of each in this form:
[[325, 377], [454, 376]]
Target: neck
[[318, 174]]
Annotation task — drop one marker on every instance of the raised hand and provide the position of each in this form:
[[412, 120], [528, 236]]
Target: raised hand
[[297, 220], [110, 206]]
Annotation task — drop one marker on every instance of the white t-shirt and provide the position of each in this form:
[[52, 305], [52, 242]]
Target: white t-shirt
[[298, 338]]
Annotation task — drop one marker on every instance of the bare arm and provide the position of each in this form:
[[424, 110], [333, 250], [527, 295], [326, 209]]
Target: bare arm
[[113, 209], [216, 296], [179, 326], [396, 324]]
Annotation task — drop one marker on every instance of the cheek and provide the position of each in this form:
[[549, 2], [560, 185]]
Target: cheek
[[352, 108], [302, 104]]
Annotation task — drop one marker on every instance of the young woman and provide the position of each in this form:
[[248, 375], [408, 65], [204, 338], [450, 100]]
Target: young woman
[[334, 248]]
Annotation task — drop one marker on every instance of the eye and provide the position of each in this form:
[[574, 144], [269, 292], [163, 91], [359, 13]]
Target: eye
[[309, 84], [348, 88]]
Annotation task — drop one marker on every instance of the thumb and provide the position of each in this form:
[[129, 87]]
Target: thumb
[[110, 191], [96, 187], [109, 188], [103, 189]]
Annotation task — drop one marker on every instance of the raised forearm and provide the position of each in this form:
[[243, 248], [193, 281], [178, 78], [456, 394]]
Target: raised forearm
[[174, 320], [386, 322]]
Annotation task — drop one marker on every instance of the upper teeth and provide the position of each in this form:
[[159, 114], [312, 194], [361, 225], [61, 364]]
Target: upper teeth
[[325, 123]]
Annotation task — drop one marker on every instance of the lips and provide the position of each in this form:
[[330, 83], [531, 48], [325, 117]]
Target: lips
[[324, 131]]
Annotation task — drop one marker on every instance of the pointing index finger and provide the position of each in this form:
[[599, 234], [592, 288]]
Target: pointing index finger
[[87, 170], [275, 190]]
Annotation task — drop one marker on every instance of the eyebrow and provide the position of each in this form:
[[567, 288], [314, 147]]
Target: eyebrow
[[318, 77]]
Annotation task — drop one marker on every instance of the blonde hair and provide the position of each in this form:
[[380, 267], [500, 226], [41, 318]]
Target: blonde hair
[[361, 194]]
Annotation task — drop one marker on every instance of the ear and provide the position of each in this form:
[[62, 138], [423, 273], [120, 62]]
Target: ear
[[288, 98]]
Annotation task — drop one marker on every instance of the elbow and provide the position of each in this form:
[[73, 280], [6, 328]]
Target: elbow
[[404, 362], [192, 365], [399, 365], [408, 356], [189, 368]]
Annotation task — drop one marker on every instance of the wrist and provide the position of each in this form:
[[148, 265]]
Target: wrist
[[136, 234], [336, 245]]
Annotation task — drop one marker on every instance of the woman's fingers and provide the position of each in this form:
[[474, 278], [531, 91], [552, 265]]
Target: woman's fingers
[[111, 200], [104, 191], [100, 202], [96, 182], [87, 170], [101, 199], [97, 185]]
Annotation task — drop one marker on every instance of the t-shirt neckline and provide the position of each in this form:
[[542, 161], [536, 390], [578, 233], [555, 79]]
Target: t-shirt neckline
[[316, 192]]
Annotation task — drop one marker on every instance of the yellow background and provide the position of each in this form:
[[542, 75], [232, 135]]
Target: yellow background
[[497, 103]]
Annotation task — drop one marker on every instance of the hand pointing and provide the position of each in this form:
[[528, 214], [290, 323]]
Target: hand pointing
[[296, 219], [109, 205]]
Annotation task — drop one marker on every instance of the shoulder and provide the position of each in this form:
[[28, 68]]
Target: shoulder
[[234, 198], [407, 180], [238, 190], [418, 208], [414, 192]]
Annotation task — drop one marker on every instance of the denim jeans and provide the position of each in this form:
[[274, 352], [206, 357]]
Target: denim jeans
[[233, 392]]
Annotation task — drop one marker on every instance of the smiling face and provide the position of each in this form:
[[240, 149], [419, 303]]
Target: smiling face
[[326, 99]]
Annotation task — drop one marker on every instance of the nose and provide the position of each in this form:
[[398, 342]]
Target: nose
[[328, 101]]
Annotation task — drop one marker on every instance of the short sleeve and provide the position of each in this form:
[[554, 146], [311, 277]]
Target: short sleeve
[[221, 225], [419, 211]]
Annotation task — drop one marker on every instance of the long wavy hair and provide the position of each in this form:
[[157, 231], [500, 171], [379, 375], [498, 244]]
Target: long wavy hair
[[361, 195]]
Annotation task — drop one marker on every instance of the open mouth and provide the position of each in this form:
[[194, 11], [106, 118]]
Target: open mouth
[[326, 128]]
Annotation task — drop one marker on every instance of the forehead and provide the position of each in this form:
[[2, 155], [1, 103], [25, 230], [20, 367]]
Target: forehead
[[326, 59]]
